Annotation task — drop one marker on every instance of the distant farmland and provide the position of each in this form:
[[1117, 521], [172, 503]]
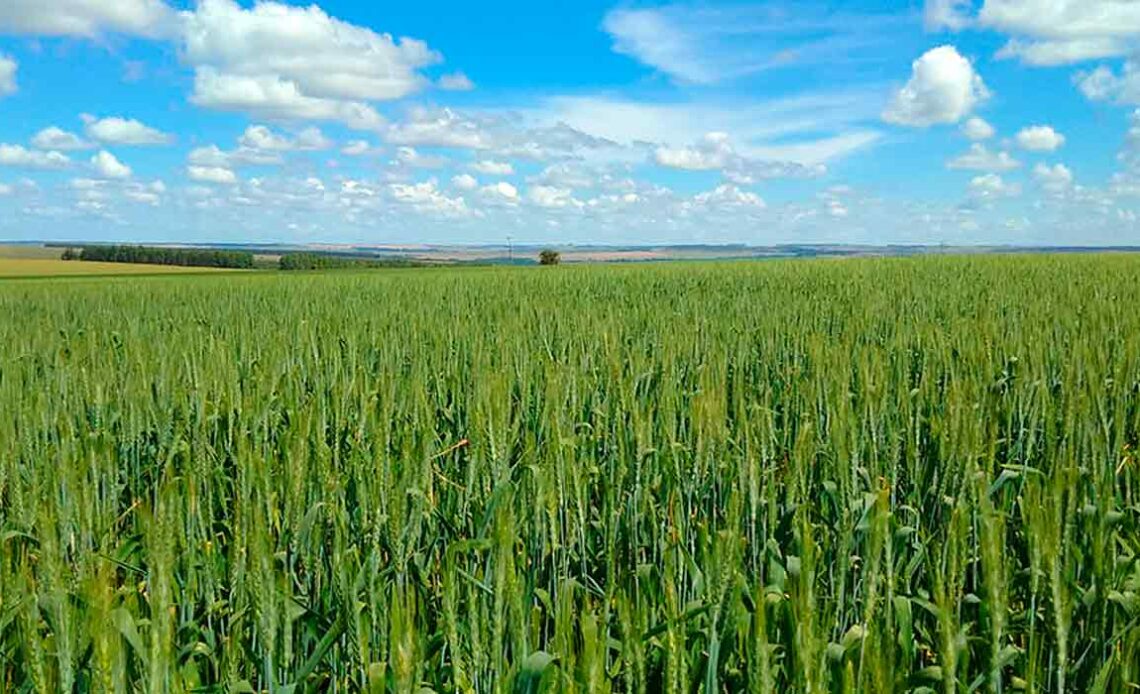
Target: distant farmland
[[870, 475], [37, 261]]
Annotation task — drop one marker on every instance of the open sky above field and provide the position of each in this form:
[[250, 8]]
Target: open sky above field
[[863, 121]]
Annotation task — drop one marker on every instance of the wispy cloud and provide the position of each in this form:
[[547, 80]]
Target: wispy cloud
[[706, 45], [808, 129]]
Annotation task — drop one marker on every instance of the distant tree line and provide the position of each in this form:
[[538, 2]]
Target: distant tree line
[[149, 255], [325, 261]]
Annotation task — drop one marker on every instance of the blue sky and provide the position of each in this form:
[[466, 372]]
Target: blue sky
[[944, 121]]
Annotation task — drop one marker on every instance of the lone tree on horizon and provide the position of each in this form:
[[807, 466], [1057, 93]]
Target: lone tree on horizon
[[549, 257]]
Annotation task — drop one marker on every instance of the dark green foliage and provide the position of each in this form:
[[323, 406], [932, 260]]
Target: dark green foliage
[[151, 255], [549, 257], [325, 261]]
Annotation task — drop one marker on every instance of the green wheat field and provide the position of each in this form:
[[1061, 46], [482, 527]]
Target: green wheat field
[[872, 475]]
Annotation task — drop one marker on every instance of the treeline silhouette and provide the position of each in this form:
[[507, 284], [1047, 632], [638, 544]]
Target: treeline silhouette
[[150, 255], [324, 261]]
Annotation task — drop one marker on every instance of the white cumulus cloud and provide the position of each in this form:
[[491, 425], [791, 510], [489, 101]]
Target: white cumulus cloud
[[87, 18], [456, 82], [123, 131], [727, 195], [837, 209], [505, 134], [312, 140], [58, 139], [1105, 84], [981, 158], [1065, 52], [464, 182], [260, 137], [271, 96], [977, 129], [18, 156], [145, 193], [570, 175], [283, 61], [501, 192], [8, 67], [715, 152], [107, 166], [946, 14], [427, 198], [211, 174], [214, 156], [1061, 32], [1047, 32], [323, 56], [943, 88], [359, 148], [1040, 138], [1054, 179], [410, 157], [992, 186], [444, 128], [493, 168], [552, 197]]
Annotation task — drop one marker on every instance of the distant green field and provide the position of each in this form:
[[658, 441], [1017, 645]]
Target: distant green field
[[30, 251], [37, 261], [35, 267], [815, 476]]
